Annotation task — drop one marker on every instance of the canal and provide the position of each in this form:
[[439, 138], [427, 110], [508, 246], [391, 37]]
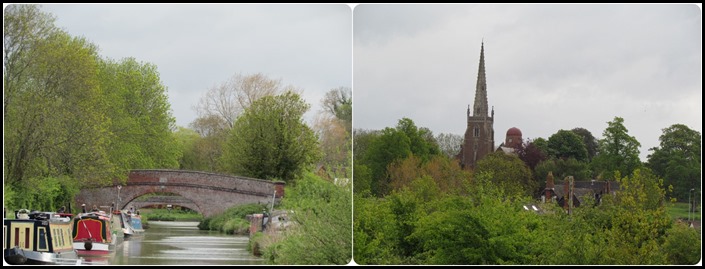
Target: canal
[[180, 243]]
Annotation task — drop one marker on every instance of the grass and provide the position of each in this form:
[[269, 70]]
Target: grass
[[170, 215], [680, 211]]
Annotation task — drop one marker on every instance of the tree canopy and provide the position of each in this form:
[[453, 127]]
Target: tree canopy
[[678, 159], [618, 151], [566, 144], [271, 141]]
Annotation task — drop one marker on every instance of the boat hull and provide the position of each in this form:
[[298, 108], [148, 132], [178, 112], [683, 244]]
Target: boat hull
[[35, 257]]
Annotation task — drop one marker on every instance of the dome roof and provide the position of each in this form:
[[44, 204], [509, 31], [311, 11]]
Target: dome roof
[[514, 131]]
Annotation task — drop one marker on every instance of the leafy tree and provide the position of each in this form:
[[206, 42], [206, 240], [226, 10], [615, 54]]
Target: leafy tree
[[25, 28], [638, 220], [453, 237], [507, 171], [389, 146], [186, 139], [565, 144], [396, 144], [562, 168], [422, 142], [542, 144], [449, 144], [54, 124], [271, 141], [362, 139], [589, 141], [618, 151], [362, 180], [141, 121], [678, 159]]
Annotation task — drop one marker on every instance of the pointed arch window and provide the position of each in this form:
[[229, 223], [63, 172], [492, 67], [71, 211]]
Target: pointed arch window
[[476, 131]]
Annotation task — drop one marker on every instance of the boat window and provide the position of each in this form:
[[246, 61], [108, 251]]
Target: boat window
[[4, 232], [61, 234], [17, 236], [42, 240], [26, 238]]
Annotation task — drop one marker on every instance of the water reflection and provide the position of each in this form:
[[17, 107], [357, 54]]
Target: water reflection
[[180, 243]]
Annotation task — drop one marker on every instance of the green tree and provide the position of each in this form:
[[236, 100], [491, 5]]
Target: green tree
[[271, 141], [141, 122], [542, 144], [453, 237], [509, 172], [589, 141], [565, 144], [396, 144], [422, 142], [562, 168], [186, 139], [618, 151], [637, 221], [389, 146], [362, 140], [54, 125], [678, 159]]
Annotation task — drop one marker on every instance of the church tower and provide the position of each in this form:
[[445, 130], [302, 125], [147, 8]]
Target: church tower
[[479, 135]]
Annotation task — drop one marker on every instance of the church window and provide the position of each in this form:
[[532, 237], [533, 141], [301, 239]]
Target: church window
[[476, 131]]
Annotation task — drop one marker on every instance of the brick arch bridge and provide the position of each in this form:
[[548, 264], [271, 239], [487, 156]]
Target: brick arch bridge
[[210, 193]]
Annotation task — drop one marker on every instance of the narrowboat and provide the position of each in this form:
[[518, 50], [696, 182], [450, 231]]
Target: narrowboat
[[38, 238], [95, 233], [136, 221], [125, 223]]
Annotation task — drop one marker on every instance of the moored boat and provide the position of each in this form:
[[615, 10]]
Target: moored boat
[[136, 221], [95, 233], [38, 238], [125, 223]]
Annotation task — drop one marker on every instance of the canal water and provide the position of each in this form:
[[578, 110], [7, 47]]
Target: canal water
[[179, 243]]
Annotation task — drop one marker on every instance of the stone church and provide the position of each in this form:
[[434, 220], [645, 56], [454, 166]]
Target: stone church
[[479, 135]]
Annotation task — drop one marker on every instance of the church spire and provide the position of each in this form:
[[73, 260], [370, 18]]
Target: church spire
[[480, 107]]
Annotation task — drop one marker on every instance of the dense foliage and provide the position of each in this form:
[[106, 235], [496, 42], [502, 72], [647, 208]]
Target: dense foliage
[[73, 118], [678, 159], [435, 213], [271, 141], [322, 213]]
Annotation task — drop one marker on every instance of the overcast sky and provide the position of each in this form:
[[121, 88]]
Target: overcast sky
[[198, 46], [548, 67]]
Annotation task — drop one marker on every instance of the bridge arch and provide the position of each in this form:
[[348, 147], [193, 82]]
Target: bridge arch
[[142, 202], [210, 192]]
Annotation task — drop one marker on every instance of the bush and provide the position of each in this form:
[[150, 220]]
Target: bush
[[232, 220]]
